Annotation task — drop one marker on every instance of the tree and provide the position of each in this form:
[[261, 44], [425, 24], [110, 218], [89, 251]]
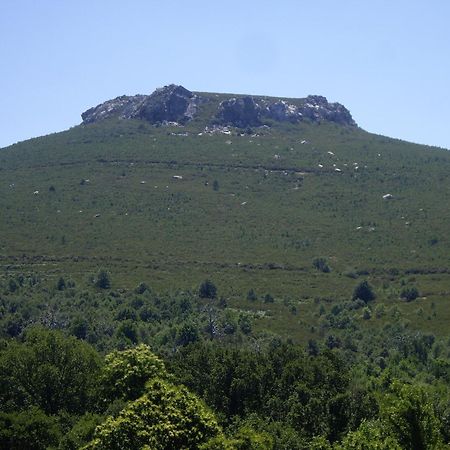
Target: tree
[[410, 417], [30, 429], [125, 372], [364, 292], [49, 371], [246, 438], [187, 334], [207, 290], [370, 435], [164, 417]]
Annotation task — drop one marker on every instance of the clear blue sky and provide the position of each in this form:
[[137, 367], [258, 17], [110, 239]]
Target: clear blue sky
[[387, 61]]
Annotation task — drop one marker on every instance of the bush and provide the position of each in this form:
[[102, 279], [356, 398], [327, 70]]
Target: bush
[[364, 292], [366, 315], [207, 290], [321, 265], [61, 284], [103, 281], [409, 294], [141, 288]]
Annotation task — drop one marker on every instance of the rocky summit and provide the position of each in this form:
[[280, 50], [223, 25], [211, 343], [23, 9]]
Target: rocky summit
[[168, 104], [177, 104]]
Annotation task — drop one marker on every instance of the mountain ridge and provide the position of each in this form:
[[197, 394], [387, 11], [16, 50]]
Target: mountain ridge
[[176, 104]]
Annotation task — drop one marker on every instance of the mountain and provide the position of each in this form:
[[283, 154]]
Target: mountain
[[252, 192]]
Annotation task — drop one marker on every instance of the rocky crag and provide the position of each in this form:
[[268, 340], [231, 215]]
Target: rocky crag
[[177, 104]]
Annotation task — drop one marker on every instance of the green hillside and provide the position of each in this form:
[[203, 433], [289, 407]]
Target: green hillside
[[280, 283], [173, 205]]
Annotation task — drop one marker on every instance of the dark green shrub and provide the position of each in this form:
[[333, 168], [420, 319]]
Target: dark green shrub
[[141, 288], [207, 290], [409, 294], [364, 292], [61, 284], [321, 265], [103, 281]]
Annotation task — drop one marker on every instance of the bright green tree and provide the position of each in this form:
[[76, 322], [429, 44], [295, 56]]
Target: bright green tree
[[371, 435], [165, 417], [125, 373]]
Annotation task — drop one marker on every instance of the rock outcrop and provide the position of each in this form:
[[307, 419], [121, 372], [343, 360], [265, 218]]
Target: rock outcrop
[[282, 111], [168, 104], [177, 104], [240, 112], [248, 111], [317, 108]]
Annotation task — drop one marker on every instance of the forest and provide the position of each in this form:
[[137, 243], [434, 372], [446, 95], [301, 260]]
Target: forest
[[141, 369]]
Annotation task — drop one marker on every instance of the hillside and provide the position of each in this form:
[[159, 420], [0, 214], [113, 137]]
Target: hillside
[[246, 191], [197, 270]]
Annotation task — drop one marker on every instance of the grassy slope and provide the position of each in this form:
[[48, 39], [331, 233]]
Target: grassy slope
[[261, 229]]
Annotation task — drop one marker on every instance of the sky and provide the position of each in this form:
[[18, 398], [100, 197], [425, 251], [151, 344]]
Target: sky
[[388, 62]]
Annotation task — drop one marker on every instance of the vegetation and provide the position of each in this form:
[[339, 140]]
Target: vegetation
[[254, 303]]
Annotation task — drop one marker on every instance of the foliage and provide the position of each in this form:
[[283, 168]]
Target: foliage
[[369, 436], [409, 294], [165, 417], [245, 439], [364, 292], [261, 228], [30, 429], [125, 373], [81, 433], [321, 265], [207, 290], [102, 280], [251, 295], [49, 371], [410, 417]]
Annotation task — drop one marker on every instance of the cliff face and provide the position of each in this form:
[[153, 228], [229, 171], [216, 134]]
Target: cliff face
[[176, 104]]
